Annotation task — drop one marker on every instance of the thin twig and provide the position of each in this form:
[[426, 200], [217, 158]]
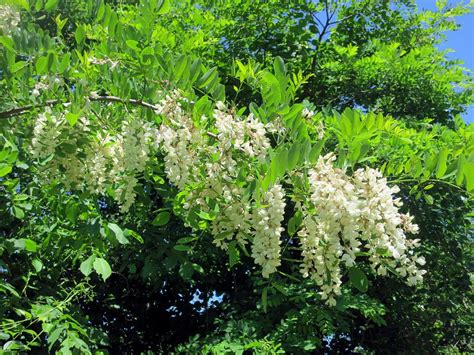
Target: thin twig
[[322, 32]]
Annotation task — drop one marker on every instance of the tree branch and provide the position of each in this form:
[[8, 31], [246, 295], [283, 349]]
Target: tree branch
[[22, 110], [25, 109]]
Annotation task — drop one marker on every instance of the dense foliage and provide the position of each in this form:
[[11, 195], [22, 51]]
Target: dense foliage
[[233, 176]]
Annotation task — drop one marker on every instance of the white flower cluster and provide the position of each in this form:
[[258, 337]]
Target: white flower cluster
[[89, 161], [248, 135], [130, 154], [213, 162], [267, 221], [45, 134], [180, 140], [9, 18], [207, 167], [351, 216]]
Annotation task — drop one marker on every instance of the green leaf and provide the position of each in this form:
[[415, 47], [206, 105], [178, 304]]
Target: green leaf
[[164, 6], [219, 92], [41, 65], [186, 240], [86, 265], [273, 170], [118, 233], [294, 223], [72, 118], [22, 165], [195, 70], [186, 270], [30, 245], [52, 60], [223, 235], [25, 244], [50, 5], [280, 73], [4, 286], [72, 211], [4, 154], [161, 219], [5, 169], [7, 43], [233, 254], [37, 264], [272, 92], [80, 34], [132, 44], [469, 174], [382, 251], [208, 77], [23, 3], [100, 12], [181, 247], [64, 63], [18, 212], [54, 336], [441, 167], [18, 66], [431, 163], [358, 279], [316, 151], [198, 268], [293, 156], [133, 234], [279, 67], [180, 66], [281, 162], [205, 215], [280, 288], [264, 299], [428, 198], [102, 267], [21, 197], [460, 170]]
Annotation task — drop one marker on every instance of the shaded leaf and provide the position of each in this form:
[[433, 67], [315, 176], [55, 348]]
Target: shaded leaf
[[102, 267]]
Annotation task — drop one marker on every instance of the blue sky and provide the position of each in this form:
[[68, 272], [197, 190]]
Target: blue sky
[[460, 41]]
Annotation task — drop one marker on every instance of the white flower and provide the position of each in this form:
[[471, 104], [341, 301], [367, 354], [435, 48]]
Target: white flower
[[266, 221], [307, 113]]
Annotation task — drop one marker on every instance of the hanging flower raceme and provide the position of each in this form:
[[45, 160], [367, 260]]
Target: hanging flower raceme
[[350, 216], [180, 140], [87, 160], [267, 221]]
